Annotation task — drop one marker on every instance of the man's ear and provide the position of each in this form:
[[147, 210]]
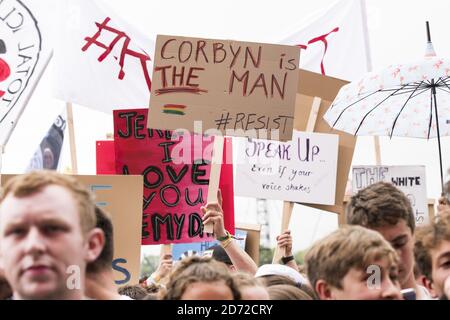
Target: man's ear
[[428, 284], [95, 241], [1, 261], [323, 290]]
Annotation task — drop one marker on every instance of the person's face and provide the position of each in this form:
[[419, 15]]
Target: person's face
[[40, 238], [254, 293], [440, 262], [217, 290], [48, 159], [401, 239], [357, 285]]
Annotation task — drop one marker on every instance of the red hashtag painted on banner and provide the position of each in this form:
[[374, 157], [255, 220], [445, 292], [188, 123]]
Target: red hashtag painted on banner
[[125, 50]]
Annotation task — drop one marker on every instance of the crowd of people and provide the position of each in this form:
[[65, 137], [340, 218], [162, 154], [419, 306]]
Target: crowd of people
[[56, 244]]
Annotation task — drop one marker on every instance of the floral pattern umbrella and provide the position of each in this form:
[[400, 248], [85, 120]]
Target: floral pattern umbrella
[[407, 100]]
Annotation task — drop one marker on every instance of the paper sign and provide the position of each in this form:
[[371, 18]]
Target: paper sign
[[105, 157], [106, 165], [303, 170], [229, 86], [176, 170], [409, 179], [183, 250], [226, 185], [121, 197]]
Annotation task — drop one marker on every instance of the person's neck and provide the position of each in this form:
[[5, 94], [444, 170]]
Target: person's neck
[[101, 286], [410, 283]]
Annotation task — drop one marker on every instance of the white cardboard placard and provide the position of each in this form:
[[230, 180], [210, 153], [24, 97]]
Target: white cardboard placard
[[410, 179], [301, 170]]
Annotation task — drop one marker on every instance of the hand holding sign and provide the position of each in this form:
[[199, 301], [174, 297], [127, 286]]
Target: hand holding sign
[[213, 213], [164, 268], [284, 240]]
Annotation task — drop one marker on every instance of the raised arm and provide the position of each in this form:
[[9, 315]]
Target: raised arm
[[284, 243], [213, 213]]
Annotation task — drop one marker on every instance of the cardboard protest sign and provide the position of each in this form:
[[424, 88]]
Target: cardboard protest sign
[[409, 179], [183, 250], [229, 86], [121, 197], [175, 167], [105, 157], [315, 85], [248, 234], [253, 239], [226, 185], [302, 170]]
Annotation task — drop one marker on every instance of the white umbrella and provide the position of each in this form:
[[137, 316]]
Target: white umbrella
[[407, 100]]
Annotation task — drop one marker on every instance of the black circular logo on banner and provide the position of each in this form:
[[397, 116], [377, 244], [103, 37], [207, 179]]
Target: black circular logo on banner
[[20, 47]]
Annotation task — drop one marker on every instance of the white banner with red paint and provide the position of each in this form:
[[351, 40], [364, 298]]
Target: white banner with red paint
[[24, 54], [101, 61], [333, 41]]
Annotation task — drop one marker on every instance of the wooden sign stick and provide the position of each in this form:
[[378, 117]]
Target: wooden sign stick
[[214, 177], [287, 205], [2, 150], [165, 250], [73, 149]]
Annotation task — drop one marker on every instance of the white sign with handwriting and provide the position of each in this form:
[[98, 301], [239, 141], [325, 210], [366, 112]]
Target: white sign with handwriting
[[409, 179], [301, 170]]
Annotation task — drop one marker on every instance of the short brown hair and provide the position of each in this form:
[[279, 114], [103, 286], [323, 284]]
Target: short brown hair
[[275, 279], [198, 269], [31, 183], [135, 292], [243, 279], [421, 256], [332, 257], [378, 205], [105, 259], [430, 238], [287, 292]]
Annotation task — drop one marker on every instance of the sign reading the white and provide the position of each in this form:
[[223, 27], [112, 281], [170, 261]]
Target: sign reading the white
[[409, 179], [301, 170]]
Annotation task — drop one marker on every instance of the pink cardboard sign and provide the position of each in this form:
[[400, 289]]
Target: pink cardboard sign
[[105, 158], [175, 168], [106, 165]]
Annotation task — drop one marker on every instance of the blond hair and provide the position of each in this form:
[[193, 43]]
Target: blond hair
[[287, 292], [25, 185], [242, 280], [197, 269], [331, 258]]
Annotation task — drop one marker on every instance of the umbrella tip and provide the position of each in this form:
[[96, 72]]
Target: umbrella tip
[[429, 50]]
